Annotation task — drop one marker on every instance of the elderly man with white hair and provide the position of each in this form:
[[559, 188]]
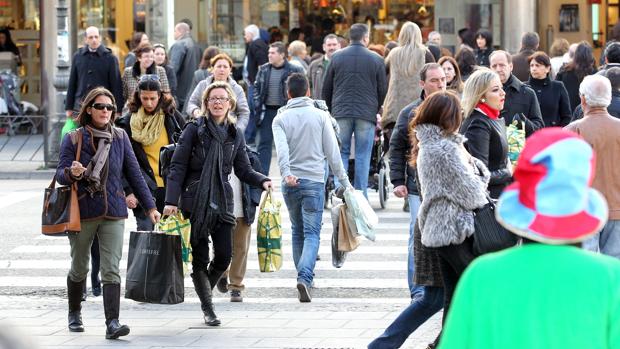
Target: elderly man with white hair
[[602, 131], [185, 56], [255, 56]]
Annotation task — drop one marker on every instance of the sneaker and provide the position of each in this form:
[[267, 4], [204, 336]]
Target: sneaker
[[304, 292], [235, 296]]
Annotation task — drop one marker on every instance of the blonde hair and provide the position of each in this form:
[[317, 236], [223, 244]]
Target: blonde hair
[[475, 88], [296, 47], [410, 54], [232, 100]]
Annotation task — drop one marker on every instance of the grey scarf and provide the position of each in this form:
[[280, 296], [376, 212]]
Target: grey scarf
[[97, 170]]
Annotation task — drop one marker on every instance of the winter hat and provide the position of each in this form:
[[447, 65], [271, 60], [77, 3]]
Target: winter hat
[[551, 200]]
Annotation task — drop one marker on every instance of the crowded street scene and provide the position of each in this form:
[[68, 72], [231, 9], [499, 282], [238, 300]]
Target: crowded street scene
[[310, 174]]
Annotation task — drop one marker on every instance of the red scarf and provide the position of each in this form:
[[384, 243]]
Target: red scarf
[[488, 111]]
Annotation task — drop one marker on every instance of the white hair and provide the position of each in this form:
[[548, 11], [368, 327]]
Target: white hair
[[596, 90], [252, 29], [433, 33]]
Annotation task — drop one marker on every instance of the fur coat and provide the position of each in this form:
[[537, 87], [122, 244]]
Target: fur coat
[[452, 187]]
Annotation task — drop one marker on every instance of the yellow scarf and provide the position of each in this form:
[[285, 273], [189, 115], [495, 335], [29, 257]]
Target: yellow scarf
[[145, 129]]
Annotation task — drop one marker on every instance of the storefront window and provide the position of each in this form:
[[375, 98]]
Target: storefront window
[[21, 18]]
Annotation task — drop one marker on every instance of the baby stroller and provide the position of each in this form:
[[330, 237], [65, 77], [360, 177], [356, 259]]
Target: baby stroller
[[15, 119], [379, 176]]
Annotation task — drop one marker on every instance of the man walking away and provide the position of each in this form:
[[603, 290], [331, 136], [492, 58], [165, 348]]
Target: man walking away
[[255, 56], [520, 62], [304, 139], [184, 57], [602, 132], [354, 89]]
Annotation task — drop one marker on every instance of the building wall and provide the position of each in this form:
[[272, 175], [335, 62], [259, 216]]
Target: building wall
[[549, 17]]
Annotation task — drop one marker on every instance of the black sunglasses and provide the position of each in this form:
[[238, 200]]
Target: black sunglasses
[[102, 106]]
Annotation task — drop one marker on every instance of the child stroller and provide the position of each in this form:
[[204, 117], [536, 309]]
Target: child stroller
[[16, 112]]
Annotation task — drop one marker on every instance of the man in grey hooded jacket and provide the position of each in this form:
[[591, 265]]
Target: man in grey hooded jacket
[[305, 138]]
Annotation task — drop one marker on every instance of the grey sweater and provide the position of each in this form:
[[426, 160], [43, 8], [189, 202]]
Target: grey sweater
[[304, 139]]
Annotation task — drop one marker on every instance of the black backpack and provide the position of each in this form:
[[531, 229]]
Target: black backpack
[[166, 152]]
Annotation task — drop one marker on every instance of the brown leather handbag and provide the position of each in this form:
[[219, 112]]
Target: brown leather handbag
[[61, 210]]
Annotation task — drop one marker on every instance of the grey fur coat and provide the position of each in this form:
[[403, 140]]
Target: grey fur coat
[[452, 187]]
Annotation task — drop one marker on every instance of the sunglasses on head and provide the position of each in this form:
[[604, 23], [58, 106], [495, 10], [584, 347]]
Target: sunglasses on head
[[102, 106], [149, 77]]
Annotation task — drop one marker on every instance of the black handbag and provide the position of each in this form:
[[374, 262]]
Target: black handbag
[[166, 152], [61, 210], [154, 268], [489, 235]]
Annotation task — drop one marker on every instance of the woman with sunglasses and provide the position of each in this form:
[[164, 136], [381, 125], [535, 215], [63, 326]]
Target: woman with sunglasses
[[161, 59], [105, 159], [221, 69], [145, 64], [151, 123], [209, 149]]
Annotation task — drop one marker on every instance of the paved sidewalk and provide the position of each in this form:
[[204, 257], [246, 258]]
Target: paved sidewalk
[[163, 326]]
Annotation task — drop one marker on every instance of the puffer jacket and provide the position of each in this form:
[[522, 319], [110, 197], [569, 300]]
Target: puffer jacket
[[451, 187], [109, 204], [189, 158], [355, 83], [241, 112]]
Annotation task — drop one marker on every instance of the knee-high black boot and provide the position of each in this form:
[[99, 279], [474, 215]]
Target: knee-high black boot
[[214, 275], [74, 294], [203, 289], [111, 305]]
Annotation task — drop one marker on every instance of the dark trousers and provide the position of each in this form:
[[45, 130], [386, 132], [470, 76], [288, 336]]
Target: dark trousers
[[222, 249], [265, 139], [453, 259], [95, 263], [420, 310], [142, 220]]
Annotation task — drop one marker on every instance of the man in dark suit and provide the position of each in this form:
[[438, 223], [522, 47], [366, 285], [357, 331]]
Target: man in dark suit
[[93, 65]]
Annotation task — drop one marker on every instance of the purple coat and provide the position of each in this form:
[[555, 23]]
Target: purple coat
[[111, 203]]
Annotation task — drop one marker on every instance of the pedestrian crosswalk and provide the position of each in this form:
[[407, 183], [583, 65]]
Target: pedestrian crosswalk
[[375, 271]]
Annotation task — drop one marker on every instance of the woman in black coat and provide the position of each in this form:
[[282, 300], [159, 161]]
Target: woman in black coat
[[151, 123], [209, 148], [161, 59], [552, 95], [483, 99], [484, 47], [572, 74]]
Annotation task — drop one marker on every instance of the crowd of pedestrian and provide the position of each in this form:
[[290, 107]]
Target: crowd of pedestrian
[[446, 115]]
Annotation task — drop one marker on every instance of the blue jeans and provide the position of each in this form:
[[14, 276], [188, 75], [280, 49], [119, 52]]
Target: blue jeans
[[364, 138], [410, 319], [250, 131], [607, 241], [414, 206], [305, 207], [265, 139]]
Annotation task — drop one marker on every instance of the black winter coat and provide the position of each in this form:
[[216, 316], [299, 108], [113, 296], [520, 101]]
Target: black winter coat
[[571, 82], [173, 125], [355, 83], [189, 158], [486, 141], [400, 148], [521, 99], [256, 52], [172, 80], [482, 56], [553, 101], [90, 70]]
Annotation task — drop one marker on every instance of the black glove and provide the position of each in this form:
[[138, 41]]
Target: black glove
[[500, 176]]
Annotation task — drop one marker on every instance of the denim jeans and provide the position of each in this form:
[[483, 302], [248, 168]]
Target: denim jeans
[[410, 319], [607, 241], [305, 207], [265, 139], [250, 131], [414, 206], [364, 132]]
